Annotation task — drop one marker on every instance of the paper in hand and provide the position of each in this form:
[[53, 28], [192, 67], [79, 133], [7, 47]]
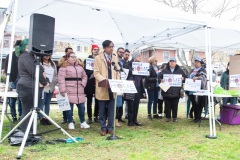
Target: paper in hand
[[164, 87]]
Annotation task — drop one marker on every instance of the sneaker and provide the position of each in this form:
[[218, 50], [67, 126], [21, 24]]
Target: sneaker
[[14, 119], [71, 126], [155, 116], [64, 121], [117, 124], [149, 116], [43, 121], [89, 120], [168, 120], [160, 115], [174, 119], [96, 120], [84, 125]]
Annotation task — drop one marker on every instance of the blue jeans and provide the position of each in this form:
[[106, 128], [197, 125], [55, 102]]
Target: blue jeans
[[81, 112], [152, 99], [12, 103], [45, 103], [109, 104]]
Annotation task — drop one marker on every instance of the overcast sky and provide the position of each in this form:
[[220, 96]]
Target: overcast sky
[[4, 3]]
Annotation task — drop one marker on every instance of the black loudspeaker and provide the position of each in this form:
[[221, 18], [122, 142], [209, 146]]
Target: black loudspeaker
[[41, 35]]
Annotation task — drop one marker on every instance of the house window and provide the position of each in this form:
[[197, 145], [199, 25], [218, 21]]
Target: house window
[[166, 55], [78, 48], [144, 55]]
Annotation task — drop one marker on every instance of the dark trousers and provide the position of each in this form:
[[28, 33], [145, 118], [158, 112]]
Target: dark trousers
[[65, 114], [171, 105], [160, 106], [109, 105], [136, 104], [152, 99], [119, 111], [89, 107], [130, 111], [197, 105], [26, 95]]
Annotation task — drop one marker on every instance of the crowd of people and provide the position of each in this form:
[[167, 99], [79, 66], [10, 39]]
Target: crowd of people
[[80, 84]]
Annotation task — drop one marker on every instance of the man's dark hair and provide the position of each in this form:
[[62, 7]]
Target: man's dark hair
[[17, 43], [106, 43], [66, 49], [126, 50], [120, 48]]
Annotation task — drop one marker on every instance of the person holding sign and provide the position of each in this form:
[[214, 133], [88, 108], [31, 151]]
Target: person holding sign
[[151, 83], [90, 88], [172, 95], [72, 80], [198, 73], [104, 70], [51, 73]]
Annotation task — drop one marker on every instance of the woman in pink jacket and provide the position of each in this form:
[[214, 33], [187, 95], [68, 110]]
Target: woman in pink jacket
[[72, 80]]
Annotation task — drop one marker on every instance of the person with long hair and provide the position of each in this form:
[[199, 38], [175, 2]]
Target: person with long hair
[[48, 64], [152, 85], [72, 79]]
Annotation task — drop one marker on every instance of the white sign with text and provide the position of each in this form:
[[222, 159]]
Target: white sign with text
[[234, 80], [140, 68], [89, 64], [191, 85], [122, 86], [173, 80]]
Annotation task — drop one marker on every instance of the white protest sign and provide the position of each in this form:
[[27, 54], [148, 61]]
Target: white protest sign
[[49, 73], [122, 86], [63, 102], [140, 68], [191, 85], [90, 64], [124, 74], [173, 80], [234, 80]]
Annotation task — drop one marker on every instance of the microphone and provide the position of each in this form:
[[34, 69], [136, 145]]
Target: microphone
[[114, 66], [121, 69]]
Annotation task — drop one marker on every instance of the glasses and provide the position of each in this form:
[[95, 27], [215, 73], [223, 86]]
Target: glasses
[[110, 47], [172, 61], [73, 56]]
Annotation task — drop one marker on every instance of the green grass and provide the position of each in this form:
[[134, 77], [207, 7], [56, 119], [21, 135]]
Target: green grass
[[155, 140]]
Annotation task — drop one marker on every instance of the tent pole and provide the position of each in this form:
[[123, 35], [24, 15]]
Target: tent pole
[[208, 85], [211, 83], [4, 107]]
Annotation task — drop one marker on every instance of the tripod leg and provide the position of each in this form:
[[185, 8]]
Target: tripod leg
[[54, 123], [16, 127], [26, 135]]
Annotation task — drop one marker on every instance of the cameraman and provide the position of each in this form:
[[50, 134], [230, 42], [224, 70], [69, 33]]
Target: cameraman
[[26, 84]]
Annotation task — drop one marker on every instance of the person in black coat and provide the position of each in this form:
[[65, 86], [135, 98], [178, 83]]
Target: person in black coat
[[89, 90], [136, 57], [26, 83], [172, 95], [13, 78], [152, 85]]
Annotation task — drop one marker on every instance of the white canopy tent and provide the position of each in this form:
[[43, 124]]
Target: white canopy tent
[[132, 23]]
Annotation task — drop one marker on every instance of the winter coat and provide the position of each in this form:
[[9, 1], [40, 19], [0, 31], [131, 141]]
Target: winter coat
[[172, 92], [90, 88], [101, 73], [151, 80], [224, 82], [72, 80], [27, 68], [202, 75], [14, 67], [54, 82]]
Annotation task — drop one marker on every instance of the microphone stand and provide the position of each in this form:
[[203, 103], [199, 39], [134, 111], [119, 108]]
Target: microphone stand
[[114, 137]]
